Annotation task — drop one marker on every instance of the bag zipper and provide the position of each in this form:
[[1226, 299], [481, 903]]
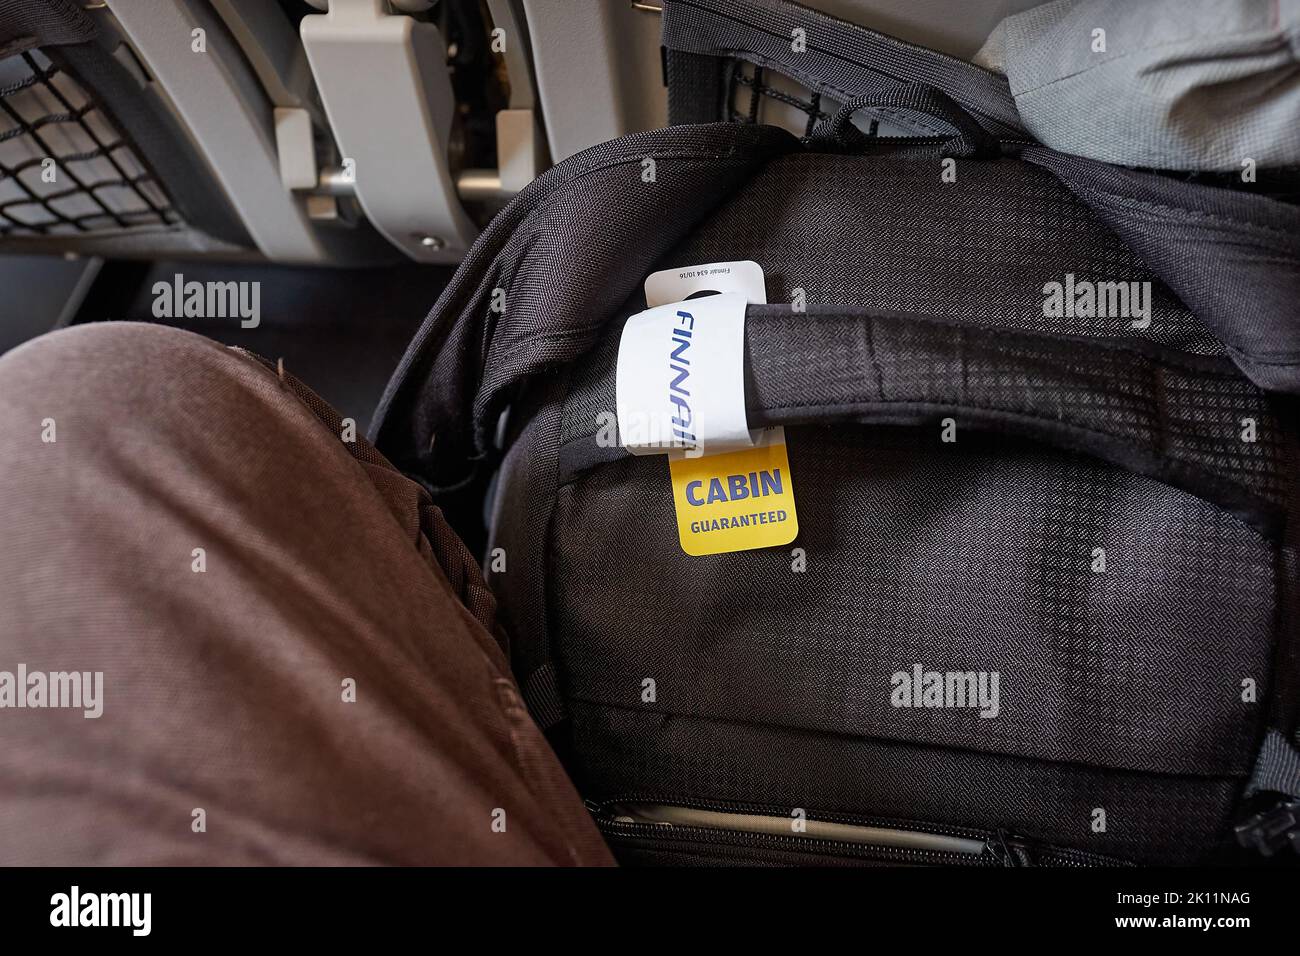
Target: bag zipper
[[771, 837]]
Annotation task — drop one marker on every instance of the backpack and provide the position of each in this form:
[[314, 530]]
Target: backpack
[[1042, 604]]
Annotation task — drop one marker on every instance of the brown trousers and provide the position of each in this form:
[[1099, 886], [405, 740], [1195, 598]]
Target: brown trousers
[[300, 663]]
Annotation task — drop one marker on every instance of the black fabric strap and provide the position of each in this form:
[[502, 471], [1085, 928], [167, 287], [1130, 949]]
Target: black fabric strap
[[695, 87], [1153, 411], [837, 58], [971, 142]]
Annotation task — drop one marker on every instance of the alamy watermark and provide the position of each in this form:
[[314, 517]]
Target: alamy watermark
[[76, 690], [208, 300], [946, 689], [1085, 299], [74, 908]]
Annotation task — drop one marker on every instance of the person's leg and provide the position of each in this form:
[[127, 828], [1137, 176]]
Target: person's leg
[[290, 671]]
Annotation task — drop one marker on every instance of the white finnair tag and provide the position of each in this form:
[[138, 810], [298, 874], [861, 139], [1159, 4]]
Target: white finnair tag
[[674, 285], [681, 377]]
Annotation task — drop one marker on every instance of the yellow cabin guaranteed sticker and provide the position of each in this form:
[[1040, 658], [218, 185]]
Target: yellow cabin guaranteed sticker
[[735, 501]]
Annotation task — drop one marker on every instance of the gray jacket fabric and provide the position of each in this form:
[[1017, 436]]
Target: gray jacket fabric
[[1171, 84]]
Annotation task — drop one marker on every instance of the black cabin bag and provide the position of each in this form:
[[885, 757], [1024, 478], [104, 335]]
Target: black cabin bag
[[1042, 603]]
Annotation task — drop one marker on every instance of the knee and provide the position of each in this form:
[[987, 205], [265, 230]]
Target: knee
[[92, 362], [108, 375]]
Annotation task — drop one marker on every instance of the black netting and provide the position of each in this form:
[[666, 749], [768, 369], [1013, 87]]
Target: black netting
[[755, 95], [64, 167]]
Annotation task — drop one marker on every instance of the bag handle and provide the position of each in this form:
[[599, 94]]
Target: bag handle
[[971, 141], [1136, 405], [1148, 409]]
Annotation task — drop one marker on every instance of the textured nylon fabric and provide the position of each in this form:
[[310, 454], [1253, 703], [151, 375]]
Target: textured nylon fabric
[[1107, 396], [1232, 257], [884, 232], [520, 525], [578, 241], [969, 556], [25, 24], [1170, 819]]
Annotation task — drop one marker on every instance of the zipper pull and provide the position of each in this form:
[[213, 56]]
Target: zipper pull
[[1002, 847], [1272, 828]]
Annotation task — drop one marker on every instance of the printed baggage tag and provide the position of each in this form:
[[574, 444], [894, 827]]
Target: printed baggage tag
[[677, 285], [736, 500], [681, 390], [680, 380]]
